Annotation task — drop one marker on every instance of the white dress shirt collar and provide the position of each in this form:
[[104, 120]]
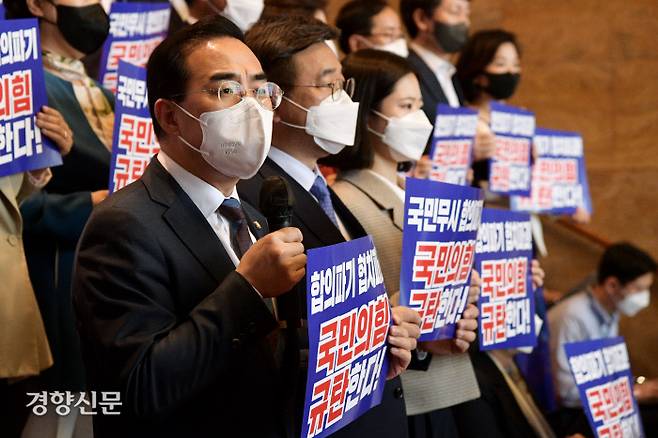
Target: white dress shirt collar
[[299, 171], [437, 64], [206, 197], [442, 69]]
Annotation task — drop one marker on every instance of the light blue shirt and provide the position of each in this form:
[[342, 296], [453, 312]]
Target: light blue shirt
[[577, 318]]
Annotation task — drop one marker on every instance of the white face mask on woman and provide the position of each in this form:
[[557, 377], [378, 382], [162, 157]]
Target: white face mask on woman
[[244, 13], [633, 303], [407, 136], [397, 47], [236, 140], [332, 123]]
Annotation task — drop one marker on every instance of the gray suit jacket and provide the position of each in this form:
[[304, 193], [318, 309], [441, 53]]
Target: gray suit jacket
[[449, 380]]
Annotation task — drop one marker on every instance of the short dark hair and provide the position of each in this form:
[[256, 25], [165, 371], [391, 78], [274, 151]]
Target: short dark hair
[[407, 9], [277, 8], [355, 18], [275, 41], [166, 71], [478, 52], [375, 72], [15, 9], [625, 262]]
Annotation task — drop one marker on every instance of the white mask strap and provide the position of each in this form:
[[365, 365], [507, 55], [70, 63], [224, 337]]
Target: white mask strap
[[293, 126], [377, 113], [187, 143], [188, 113], [378, 134], [192, 147], [296, 104]]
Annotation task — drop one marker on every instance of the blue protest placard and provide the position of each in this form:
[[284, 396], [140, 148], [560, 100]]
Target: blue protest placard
[[559, 177], [22, 95], [133, 142], [452, 144], [348, 321], [438, 249], [135, 31], [509, 168], [602, 373], [503, 256]]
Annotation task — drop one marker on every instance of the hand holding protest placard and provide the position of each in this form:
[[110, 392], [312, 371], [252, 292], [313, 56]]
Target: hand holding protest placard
[[602, 372], [509, 168], [402, 339], [348, 326], [438, 249], [22, 96], [503, 257], [559, 177]]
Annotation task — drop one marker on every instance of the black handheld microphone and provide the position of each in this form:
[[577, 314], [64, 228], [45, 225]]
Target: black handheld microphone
[[276, 203]]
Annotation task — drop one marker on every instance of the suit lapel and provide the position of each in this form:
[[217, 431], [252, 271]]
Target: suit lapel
[[307, 210], [187, 222], [427, 77], [350, 222], [256, 222], [381, 194]]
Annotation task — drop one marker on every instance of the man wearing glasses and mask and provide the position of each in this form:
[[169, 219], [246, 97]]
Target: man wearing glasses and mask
[[175, 274], [317, 117]]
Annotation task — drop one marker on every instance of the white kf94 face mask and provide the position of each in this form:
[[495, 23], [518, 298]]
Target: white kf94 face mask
[[407, 136], [397, 47], [244, 13], [236, 140], [634, 302], [332, 123]]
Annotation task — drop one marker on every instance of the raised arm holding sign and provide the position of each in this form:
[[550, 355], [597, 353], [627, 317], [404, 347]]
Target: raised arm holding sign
[[438, 250]]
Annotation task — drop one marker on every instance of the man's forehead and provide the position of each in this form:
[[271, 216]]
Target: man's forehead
[[323, 61], [221, 54]]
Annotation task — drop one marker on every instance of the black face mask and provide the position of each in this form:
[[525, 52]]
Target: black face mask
[[503, 85], [85, 28], [451, 37]]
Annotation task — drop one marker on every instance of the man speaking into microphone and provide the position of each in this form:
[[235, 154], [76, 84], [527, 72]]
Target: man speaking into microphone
[[175, 275]]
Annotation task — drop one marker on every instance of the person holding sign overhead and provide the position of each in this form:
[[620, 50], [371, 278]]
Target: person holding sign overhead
[[175, 273], [392, 129], [318, 118]]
